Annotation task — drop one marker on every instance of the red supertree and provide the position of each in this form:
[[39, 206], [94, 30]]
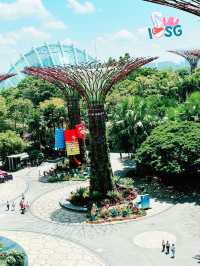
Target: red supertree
[[192, 56], [192, 6], [72, 98], [6, 76], [93, 82]]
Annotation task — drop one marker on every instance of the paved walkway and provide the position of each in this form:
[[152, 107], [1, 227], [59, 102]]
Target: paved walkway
[[122, 244]]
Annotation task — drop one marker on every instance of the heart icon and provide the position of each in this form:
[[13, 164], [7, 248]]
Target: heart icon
[[158, 31]]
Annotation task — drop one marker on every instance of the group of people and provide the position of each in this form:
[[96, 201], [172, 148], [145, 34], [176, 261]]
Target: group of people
[[24, 205], [166, 248]]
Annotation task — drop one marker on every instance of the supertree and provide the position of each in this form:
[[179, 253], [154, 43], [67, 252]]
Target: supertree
[[93, 82], [72, 98], [192, 6], [6, 76], [192, 56]]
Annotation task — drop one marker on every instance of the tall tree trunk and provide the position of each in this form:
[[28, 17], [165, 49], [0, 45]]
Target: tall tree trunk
[[73, 105], [193, 66], [101, 172]]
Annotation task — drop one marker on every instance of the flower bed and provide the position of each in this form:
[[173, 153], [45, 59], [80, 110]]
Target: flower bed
[[11, 254], [117, 206], [63, 173], [119, 212]]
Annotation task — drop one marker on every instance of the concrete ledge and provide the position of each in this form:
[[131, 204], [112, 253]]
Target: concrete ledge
[[71, 207]]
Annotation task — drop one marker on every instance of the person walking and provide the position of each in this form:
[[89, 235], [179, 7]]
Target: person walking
[[13, 206], [21, 204], [163, 246], [173, 250], [167, 247], [23, 197], [8, 205], [27, 205]]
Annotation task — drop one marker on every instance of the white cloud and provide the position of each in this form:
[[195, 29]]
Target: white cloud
[[24, 34], [32, 32], [23, 8], [123, 35], [55, 25], [79, 8], [143, 31]]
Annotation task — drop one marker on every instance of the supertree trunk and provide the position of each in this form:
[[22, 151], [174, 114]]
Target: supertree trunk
[[193, 67], [101, 172], [73, 106]]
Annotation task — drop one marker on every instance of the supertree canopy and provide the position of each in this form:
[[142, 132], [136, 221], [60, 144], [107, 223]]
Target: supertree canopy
[[72, 98], [93, 81], [6, 76], [192, 56], [192, 6]]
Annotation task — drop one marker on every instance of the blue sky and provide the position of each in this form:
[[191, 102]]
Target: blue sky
[[102, 27]]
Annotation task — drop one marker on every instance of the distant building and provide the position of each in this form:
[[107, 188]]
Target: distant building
[[47, 55]]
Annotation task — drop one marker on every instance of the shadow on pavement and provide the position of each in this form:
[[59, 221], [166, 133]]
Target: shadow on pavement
[[156, 189], [65, 216], [197, 257]]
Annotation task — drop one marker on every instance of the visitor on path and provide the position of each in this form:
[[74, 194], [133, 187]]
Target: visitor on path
[[23, 197], [21, 204], [167, 247], [13, 206], [27, 205], [173, 250], [8, 205], [23, 208], [163, 246]]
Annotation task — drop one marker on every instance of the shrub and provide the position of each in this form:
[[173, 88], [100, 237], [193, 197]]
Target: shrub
[[126, 182], [80, 197], [10, 143], [114, 196], [171, 149]]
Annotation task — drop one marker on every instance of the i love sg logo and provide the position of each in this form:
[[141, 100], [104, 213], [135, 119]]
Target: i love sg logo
[[164, 27]]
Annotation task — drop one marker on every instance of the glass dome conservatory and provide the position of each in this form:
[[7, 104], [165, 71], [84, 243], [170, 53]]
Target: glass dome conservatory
[[47, 55]]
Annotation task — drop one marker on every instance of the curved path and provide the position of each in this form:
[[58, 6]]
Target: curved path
[[122, 244]]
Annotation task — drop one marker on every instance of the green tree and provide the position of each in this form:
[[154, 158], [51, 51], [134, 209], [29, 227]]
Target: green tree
[[187, 111], [10, 143], [171, 149], [37, 90], [3, 113], [19, 111], [132, 120]]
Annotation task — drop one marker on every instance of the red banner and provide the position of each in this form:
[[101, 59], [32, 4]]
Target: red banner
[[80, 131], [70, 135]]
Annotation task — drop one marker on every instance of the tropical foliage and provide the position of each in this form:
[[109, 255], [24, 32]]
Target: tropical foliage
[[147, 101], [171, 149]]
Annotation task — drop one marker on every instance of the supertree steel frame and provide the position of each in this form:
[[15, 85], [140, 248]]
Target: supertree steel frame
[[93, 81], [72, 98], [192, 6], [192, 56], [6, 76]]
